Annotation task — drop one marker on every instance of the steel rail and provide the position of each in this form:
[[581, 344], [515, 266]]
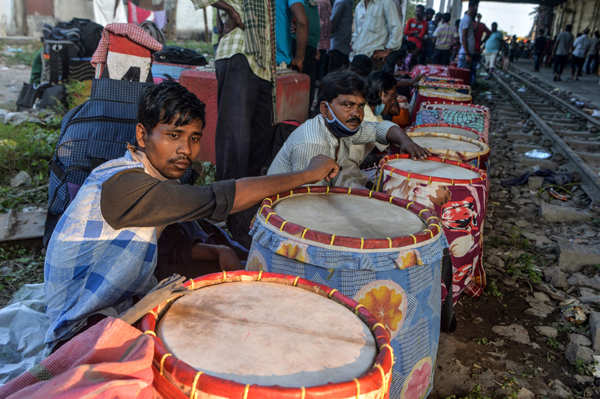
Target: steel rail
[[553, 97], [591, 182]]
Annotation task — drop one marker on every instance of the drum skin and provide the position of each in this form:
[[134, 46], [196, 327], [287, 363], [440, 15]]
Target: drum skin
[[396, 277], [453, 147], [175, 378], [460, 202]]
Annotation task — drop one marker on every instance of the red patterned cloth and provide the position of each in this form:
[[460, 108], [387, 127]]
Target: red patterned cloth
[[109, 360], [131, 32]]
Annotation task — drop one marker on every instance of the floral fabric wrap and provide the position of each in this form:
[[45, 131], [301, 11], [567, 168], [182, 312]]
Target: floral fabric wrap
[[397, 278], [459, 201]]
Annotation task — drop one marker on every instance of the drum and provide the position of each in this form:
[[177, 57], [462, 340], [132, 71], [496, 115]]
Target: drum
[[454, 147], [433, 95], [473, 120], [458, 107], [440, 85], [442, 79], [457, 191], [262, 335], [446, 128], [382, 251]]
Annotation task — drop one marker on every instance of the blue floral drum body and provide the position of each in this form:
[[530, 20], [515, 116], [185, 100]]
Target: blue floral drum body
[[395, 276]]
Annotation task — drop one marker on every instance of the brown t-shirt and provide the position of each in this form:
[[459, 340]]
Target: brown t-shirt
[[133, 198]]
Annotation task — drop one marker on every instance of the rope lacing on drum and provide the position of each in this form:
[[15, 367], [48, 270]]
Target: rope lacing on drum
[[150, 332], [423, 210], [389, 241], [302, 392], [260, 273], [357, 388], [332, 239], [383, 379], [331, 292], [409, 204], [362, 242], [162, 362], [357, 307], [246, 390], [414, 238], [268, 216], [282, 225], [391, 198], [295, 283], [193, 390], [304, 232], [391, 351]]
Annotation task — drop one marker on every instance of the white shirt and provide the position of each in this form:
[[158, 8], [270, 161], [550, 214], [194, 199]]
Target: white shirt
[[376, 27], [582, 45], [314, 138]]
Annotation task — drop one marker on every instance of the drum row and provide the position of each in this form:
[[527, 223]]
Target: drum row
[[345, 289]]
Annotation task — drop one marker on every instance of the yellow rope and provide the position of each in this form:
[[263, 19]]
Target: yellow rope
[[362, 242], [391, 198], [331, 292], [370, 193], [268, 216], [327, 191], [303, 233], [192, 284], [357, 388], [383, 379], [308, 189], [150, 332], [302, 392], [295, 283], [332, 239], [431, 217], [378, 325], [391, 351], [409, 204], [224, 275], [360, 305], [430, 232], [259, 275], [193, 392], [414, 238], [246, 390], [162, 362], [349, 190], [153, 313], [282, 225], [389, 241], [423, 210]]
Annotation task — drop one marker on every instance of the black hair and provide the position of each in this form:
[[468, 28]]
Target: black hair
[[341, 82], [420, 6], [362, 65], [473, 3], [169, 102], [377, 83], [446, 17], [153, 30], [569, 28], [430, 11]]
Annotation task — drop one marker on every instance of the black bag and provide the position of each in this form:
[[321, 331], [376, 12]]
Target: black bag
[[54, 97], [29, 93], [179, 55], [89, 35]]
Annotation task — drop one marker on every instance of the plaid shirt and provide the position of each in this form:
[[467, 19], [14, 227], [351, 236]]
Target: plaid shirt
[[90, 267], [234, 42]]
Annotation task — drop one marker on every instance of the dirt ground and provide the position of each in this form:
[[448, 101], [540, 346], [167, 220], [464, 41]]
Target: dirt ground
[[476, 361]]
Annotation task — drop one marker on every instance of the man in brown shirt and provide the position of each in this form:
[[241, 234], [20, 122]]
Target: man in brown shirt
[[103, 251]]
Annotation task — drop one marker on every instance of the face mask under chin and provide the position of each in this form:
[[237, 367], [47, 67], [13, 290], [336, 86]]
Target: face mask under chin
[[337, 128]]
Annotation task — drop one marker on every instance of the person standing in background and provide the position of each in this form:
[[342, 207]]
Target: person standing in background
[[314, 33], [285, 11], [581, 47], [443, 37], [323, 47], [493, 44], [341, 34], [539, 46], [427, 54], [466, 33], [416, 28], [560, 53], [591, 66]]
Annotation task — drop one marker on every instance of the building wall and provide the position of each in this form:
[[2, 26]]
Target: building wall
[[66, 10], [190, 21], [580, 13]]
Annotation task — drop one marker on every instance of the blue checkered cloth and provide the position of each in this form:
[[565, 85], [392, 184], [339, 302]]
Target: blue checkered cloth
[[90, 267]]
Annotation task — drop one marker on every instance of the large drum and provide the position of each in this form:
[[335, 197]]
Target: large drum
[[442, 79], [438, 84], [473, 120], [382, 251], [453, 147], [457, 191], [457, 107], [438, 94], [447, 128], [262, 335]]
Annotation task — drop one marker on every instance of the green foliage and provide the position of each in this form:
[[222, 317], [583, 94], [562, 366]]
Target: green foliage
[[475, 393], [552, 343], [524, 268], [18, 266], [17, 198], [78, 92], [21, 54], [492, 289], [27, 147]]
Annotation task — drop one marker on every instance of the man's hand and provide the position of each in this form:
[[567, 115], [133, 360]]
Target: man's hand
[[321, 168], [413, 149], [228, 260], [381, 54], [297, 64]]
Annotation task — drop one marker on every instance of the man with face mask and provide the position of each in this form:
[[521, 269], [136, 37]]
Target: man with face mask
[[339, 132]]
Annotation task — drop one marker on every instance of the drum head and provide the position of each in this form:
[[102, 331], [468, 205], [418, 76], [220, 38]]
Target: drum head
[[444, 143], [349, 215], [447, 129], [433, 168], [267, 334]]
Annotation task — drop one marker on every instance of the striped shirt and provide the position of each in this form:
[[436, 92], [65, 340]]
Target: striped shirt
[[444, 36], [313, 138], [234, 42]]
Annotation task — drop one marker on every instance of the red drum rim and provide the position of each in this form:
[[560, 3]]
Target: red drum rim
[[383, 165], [181, 374], [426, 215], [452, 125]]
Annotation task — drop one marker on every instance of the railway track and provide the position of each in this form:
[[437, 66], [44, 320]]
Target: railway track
[[571, 135]]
